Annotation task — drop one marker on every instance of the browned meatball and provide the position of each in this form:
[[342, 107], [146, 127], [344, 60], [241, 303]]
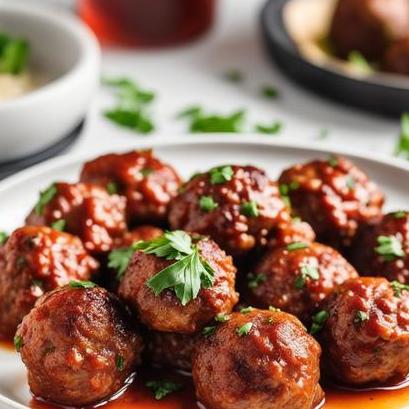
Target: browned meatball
[[366, 337], [171, 350], [85, 210], [258, 360], [289, 232], [368, 26], [165, 312], [297, 278], [396, 58], [36, 260], [236, 206], [148, 183], [334, 196], [384, 249], [78, 346]]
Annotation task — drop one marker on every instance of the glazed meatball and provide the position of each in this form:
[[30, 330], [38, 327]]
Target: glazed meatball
[[165, 312], [36, 260], [396, 58], [334, 196], [383, 249], [148, 184], [170, 349], [366, 337], [85, 210], [258, 360], [236, 206], [78, 346], [297, 278], [368, 26], [289, 232]]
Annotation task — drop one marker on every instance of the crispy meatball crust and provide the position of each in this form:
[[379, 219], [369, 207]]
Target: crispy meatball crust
[[366, 337], [274, 366], [88, 211], [368, 26], [396, 58], [170, 349], [227, 224], [36, 260], [78, 346], [148, 184], [281, 284], [289, 232], [165, 312], [366, 258], [334, 196]]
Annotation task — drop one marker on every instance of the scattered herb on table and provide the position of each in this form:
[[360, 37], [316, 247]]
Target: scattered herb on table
[[268, 91], [272, 129], [14, 54], [402, 147], [234, 75]]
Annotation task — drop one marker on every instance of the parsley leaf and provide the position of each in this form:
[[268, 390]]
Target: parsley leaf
[[59, 225], [18, 342], [207, 331], [361, 316], [161, 389], [120, 362], [82, 284], [297, 245], [221, 175], [333, 161], [135, 120], [207, 204], [244, 330], [222, 317], [307, 271], [246, 310], [234, 75], [249, 209], [398, 287], [359, 63], [3, 237], [402, 147], [272, 129], [400, 214], [268, 91], [45, 197], [14, 54], [390, 247], [318, 321], [254, 280], [112, 188], [119, 259]]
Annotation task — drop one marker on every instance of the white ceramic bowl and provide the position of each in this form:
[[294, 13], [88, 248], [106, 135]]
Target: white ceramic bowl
[[66, 54]]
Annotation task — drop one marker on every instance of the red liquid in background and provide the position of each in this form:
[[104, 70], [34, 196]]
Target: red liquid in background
[[147, 23]]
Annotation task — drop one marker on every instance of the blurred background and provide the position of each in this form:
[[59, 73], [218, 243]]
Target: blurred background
[[212, 61]]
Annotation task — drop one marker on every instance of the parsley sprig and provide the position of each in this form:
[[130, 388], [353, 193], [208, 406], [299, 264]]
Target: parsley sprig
[[402, 147], [45, 197], [187, 275], [14, 54], [119, 259]]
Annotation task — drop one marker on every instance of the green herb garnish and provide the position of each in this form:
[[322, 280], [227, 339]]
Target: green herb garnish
[[3, 237], [401, 214], [402, 146], [14, 54], [207, 204], [297, 245], [306, 272], [274, 309], [234, 75], [390, 247], [210, 330], [138, 121], [398, 287], [246, 310], [318, 321], [59, 225], [360, 317], [254, 280], [112, 188], [222, 317], [161, 389], [333, 161], [244, 330], [268, 91], [18, 342], [82, 284], [120, 362], [221, 175], [45, 197], [146, 171], [359, 63], [350, 182], [249, 209], [119, 259], [272, 129]]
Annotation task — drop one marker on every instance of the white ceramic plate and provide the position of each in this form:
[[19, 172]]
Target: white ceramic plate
[[188, 155]]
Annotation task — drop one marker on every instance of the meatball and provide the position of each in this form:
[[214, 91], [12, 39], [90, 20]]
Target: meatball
[[78, 346], [368, 26], [170, 349], [258, 360], [297, 278], [289, 232], [33, 261], [85, 210], [165, 312], [236, 206], [383, 249], [148, 184], [396, 58], [366, 337], [334, 196]]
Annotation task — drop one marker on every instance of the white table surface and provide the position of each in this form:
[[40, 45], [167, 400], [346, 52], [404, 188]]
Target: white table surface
[[193, 75]]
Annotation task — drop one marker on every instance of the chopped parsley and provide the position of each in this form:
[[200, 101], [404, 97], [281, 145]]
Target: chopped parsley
[[306, 272], [137, 121], [112, 188], [207, 204], [14, 54], [18, 342], [401, 214], [119, 259], [398, 287], [82, 284], [244, 330], [390, 247], [350, 182], [268, 91], [246, 310], [274, 309], [120, 362], [254, 280], [221, 175], [161, 389], [271, 129], [297, 245], [210, 330], [249, 209], [45, 197], [187, 275], [146, 172], [318, 321], [359, 63], [3, 237], [222, 317], [285, 190], [361, 316], [333, 161], [402, 146], [234, 75], [59, 225]]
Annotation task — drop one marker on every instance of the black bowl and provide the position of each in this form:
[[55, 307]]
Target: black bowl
[[379, 93]]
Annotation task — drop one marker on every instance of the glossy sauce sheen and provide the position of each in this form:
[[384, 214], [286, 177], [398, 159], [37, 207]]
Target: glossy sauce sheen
[[137, 396]]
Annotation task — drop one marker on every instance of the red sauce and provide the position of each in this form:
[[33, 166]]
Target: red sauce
[[147, 22], [6, 343]]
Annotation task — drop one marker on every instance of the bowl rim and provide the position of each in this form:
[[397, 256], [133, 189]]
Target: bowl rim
[[89, 54]]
